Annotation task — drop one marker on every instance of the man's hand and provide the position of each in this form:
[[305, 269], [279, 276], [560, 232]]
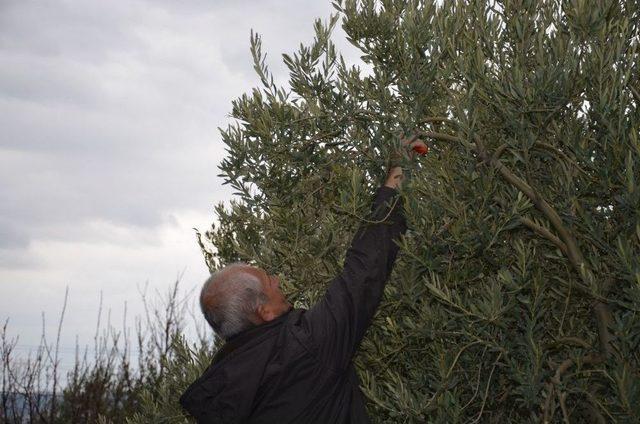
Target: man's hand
[[395, 176]]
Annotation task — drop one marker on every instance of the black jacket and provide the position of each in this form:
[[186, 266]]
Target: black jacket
[[297, 368]]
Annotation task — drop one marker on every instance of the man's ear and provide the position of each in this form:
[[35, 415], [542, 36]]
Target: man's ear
[[265, 313]]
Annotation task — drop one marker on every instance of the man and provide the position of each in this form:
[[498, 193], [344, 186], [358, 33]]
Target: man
[[285, 365]]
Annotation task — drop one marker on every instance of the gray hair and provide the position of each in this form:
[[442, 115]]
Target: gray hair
[[238, 296]]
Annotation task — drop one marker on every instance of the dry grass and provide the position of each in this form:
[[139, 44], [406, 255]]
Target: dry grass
[[103, 387]]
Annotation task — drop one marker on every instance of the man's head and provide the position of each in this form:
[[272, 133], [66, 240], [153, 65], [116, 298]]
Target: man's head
[[240, 296]]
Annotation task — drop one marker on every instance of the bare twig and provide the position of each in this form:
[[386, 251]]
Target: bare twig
[[486, 390], [52, 411]]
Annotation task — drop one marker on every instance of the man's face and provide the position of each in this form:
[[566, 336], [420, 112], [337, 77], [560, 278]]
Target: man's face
[[277, 303]]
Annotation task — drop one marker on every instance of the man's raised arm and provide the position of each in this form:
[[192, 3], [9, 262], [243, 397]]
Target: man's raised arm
[[339, 320]]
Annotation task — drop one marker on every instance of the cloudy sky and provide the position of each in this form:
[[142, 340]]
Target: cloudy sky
[[109, 144]]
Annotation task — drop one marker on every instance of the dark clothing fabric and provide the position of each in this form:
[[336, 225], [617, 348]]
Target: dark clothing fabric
[[297, 368]]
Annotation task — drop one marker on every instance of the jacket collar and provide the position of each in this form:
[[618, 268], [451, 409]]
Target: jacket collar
[[234, 342]]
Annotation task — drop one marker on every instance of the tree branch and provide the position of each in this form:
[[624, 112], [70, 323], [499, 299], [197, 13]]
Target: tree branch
[[499, 151], [539, 229], [589, 359], [562, 154], [572, 251], [635, 93]]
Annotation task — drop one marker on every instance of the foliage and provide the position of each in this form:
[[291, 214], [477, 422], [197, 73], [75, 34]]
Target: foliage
[[516, 296], [159, 402]]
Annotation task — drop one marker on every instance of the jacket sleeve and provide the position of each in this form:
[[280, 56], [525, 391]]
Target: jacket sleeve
[[339, 320]]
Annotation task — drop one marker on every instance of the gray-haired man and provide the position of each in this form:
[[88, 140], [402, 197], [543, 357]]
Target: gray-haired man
[[285, 365]]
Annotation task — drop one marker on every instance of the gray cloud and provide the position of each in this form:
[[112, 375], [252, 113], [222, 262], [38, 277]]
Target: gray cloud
[[110, 110], [10, 236]]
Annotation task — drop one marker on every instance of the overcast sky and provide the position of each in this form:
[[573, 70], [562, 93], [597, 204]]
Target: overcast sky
[[109, 144]]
